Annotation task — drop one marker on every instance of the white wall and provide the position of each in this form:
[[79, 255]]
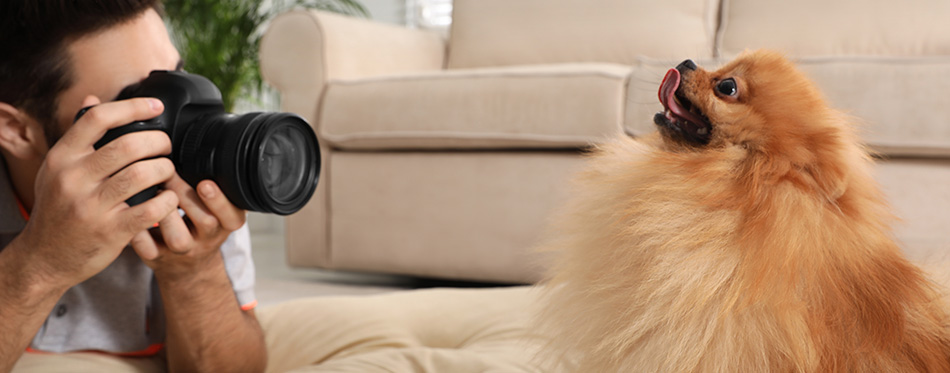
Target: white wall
[[388, 11]]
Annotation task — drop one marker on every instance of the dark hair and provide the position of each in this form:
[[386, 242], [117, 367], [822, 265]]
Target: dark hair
[[34, 35]]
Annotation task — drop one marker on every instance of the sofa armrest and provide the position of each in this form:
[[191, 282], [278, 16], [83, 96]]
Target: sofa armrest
[[300, 52], [303, 49]]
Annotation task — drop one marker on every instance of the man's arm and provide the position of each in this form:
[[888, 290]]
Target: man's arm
[[26, 298], [206, 329]]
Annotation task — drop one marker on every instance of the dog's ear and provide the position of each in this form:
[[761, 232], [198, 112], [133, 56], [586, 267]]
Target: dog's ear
[[831, 180], [841, 161]]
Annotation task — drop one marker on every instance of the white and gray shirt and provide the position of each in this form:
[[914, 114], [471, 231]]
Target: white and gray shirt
[[120, 309]]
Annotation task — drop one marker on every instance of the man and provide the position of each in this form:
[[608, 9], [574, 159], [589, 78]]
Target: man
[[81, 270]]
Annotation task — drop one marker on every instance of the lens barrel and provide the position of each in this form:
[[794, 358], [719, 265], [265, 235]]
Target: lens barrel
[[267, 162]]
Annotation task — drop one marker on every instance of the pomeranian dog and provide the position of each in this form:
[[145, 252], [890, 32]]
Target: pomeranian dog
[[746, 235]]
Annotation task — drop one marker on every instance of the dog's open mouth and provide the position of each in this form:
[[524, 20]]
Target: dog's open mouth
[[680, 117]]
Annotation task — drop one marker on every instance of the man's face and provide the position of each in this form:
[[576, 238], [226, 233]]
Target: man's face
[[106, 62]]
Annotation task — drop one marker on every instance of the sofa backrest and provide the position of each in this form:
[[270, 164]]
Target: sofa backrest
[[822, 28], [521, 32], [886, 62]]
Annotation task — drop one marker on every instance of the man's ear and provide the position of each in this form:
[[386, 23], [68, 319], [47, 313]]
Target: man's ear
[[20, 134]]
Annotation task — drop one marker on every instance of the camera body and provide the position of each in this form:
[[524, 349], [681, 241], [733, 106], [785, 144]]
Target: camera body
[[267, 162]]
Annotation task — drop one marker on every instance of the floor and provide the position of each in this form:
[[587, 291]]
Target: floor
[[277, 282]]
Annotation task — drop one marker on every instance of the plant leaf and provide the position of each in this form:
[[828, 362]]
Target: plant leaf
[[220, 39]]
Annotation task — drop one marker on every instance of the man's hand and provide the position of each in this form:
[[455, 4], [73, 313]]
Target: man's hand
[[80, 222], [182, 246]]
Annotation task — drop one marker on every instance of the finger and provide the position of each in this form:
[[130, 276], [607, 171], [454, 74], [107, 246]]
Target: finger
[[90, 101], [125, 150], [201, 217], [135, 178], [175, 233], [56, 153], [100, 118], [144, 215], [145, 246], [230, 216]]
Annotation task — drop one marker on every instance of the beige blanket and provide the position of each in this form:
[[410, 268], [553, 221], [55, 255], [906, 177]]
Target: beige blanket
[[437, 330]]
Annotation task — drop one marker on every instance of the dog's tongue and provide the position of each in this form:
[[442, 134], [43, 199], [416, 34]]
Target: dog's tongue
[[670, 83], [667, 89]]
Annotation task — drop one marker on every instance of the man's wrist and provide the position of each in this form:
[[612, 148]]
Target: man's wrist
[[204, 270], [28, 280]]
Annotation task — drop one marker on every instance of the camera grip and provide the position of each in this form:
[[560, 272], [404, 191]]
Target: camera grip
[[112, 134], [144, 195]]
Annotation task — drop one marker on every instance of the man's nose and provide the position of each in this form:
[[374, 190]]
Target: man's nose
[[686, 65]]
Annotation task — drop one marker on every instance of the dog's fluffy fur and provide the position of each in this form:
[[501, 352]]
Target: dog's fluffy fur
[[765, 249]]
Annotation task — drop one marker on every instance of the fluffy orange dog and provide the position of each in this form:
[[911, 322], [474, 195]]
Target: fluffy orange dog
[[746, 236]]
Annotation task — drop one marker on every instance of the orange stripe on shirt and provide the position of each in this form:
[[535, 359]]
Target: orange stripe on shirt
[[26, 214], [148, 351], [249, 306]]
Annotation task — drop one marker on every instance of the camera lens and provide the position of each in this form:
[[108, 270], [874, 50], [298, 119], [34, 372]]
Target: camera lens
[[267, 162], [282, 163], [280, 160]]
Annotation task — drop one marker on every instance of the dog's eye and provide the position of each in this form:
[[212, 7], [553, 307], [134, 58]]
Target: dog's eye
[[727, 87]]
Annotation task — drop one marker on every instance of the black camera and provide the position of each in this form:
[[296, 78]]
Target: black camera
[[266, 162]]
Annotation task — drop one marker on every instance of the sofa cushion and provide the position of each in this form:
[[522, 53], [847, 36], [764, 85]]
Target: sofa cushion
[[899, 104], [835, 28], [568, 105], [512, 32]]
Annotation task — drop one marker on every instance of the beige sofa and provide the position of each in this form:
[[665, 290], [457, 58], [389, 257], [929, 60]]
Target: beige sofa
[[444, 156]]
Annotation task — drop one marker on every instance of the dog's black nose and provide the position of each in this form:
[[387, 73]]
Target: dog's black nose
[[686, 65]]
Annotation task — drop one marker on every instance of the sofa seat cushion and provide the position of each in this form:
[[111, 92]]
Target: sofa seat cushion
[[914, 122], [435, 330], [553, 106]]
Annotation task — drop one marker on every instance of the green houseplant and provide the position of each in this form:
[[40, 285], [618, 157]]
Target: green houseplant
[[219, 39]]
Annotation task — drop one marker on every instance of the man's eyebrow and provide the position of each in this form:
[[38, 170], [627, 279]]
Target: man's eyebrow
[[180, 65]]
